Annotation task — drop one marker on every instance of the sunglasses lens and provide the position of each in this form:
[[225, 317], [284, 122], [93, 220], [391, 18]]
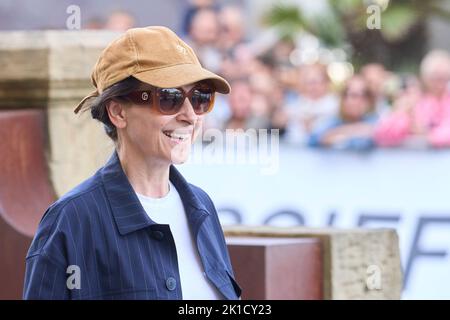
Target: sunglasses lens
[[202, 101], [170, 100]]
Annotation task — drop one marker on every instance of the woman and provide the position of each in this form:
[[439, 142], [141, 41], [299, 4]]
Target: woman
[[314, 103], [137, 229], [422, 119], [353, 128]]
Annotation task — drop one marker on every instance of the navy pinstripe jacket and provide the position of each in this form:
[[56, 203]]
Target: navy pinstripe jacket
[[118, 252]]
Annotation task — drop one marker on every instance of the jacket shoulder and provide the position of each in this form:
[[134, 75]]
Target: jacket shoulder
[[54, 222]]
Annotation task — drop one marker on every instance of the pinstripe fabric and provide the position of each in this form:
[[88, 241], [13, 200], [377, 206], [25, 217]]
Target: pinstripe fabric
[[101, 227]]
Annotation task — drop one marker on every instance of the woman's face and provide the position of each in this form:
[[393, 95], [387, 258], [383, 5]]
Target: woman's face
[[240, 100], [163, 138], [356, 101], [315, 84], [436, 81]]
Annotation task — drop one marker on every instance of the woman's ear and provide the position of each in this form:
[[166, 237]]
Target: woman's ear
[[116, 113]]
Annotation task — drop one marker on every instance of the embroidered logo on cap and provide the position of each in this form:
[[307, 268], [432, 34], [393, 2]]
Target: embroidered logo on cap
[[181, 49]]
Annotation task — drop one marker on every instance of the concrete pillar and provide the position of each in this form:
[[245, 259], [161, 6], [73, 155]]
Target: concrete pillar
[[50, 70]]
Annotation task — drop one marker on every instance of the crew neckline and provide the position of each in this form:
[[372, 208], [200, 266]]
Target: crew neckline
[[161, 200]]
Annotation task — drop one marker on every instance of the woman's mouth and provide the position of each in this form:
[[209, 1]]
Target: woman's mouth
[[176, 136]]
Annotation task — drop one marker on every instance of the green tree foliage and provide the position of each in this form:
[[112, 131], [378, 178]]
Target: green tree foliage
[[400, 43]]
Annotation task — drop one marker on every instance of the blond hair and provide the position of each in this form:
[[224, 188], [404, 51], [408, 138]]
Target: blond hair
[[435, 60]]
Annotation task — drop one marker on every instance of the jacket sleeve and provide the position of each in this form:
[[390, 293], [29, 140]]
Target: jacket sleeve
[[44, 279], [45, 274]]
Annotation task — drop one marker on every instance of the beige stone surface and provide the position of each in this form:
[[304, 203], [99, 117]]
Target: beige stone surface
[[51, 70], [78, 147], [353, 259]]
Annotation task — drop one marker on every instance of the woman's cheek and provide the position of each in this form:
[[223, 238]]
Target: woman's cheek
[[197, 128]]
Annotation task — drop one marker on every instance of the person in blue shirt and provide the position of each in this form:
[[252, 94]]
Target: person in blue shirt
[[352, 128], [137, 229]]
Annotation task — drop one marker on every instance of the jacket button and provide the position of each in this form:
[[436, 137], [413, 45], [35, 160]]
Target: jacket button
[[158, 235], [171, 283]]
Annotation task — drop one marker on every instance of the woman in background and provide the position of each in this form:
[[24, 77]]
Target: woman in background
[[353, 127], [424, 119]]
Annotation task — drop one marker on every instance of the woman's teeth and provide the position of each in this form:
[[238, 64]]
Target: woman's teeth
[[177, 136]]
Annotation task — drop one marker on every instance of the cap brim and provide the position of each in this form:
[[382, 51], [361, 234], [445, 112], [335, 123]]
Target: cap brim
[[180, 75], [82, 103]]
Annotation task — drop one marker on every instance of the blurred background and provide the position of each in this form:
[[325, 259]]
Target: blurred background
[[357, 89]]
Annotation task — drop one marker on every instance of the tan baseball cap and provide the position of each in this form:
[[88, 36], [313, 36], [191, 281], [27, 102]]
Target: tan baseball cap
[[154, 55]]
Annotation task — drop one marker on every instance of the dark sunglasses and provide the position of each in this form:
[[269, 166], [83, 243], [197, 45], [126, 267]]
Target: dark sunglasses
[[169, 101]]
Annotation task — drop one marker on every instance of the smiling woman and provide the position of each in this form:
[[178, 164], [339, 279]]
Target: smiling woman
[[163, 106], [157, 124], [137, 229]]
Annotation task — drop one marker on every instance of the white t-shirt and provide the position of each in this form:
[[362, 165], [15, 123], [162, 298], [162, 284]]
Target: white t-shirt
[[169, 210]]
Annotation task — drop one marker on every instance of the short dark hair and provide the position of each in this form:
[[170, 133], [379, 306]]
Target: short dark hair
[[116, 91]]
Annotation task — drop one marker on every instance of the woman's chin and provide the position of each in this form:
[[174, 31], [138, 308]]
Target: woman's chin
[[179, 155], [180, 160]]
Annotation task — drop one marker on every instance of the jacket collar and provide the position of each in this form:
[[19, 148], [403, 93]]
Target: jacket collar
[[127, 210]]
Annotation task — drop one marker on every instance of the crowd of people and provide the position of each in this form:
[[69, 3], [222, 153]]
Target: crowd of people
[[373, 107], [269, 92]]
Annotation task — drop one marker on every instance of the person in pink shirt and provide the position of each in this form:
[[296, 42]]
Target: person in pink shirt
[[421, 117]]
